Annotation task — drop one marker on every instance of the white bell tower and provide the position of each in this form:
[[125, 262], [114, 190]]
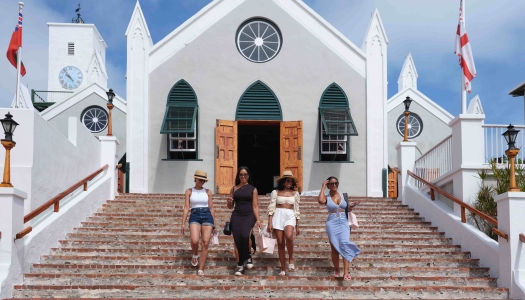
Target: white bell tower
[[77, 56]]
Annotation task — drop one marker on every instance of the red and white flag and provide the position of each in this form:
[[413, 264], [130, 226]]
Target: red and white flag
[[463, 50], [15, 43]]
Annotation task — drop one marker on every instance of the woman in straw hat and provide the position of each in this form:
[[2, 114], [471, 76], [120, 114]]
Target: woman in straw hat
[[198, 202], [283, 217], [337, 226]]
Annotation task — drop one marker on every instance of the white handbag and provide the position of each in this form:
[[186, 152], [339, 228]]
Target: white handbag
[[215, 239], [352, 220]]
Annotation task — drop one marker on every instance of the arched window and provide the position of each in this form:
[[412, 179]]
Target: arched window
[[180, 121], [336, 125], [258, 102]]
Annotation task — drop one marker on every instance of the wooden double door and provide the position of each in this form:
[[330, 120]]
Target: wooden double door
[[227, 147]]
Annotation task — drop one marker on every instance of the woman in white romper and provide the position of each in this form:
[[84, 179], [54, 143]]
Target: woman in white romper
[[198, 204], [283, 217]]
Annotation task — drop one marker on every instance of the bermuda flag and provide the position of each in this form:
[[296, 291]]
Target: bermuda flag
[[463, 50], [16, 42]]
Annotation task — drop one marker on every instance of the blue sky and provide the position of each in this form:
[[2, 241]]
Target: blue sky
[[424, 28]]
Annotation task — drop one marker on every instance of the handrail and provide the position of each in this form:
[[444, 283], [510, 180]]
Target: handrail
[[462, 204], [56, 201], [437, 145]]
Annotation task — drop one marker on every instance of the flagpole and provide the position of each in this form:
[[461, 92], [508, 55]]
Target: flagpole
[[463, 87], [18, 65]]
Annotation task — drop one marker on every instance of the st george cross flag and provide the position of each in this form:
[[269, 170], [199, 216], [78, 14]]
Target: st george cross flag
[[463, 50], [16, 42]]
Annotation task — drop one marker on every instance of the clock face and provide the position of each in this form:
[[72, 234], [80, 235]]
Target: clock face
[[70, 77]]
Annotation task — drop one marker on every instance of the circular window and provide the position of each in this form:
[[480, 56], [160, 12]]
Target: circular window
[[258, 40], [95, 118], [415, 125]]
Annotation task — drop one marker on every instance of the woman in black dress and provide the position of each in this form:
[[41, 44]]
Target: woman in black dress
[[244, 198]]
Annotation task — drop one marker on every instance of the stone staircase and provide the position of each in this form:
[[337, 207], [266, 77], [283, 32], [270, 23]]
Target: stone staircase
[[132, 248]]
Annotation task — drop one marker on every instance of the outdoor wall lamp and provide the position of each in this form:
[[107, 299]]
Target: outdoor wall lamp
[[510, 136], [110, 106], [407, 103], [9, 126]]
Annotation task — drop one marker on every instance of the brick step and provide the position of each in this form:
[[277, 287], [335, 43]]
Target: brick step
[[315, 215], [305, 232], [263, 290], [222, 204], [228, 244], [319, 220], [385, 226], [325, 270], [251, 280], [229, 259], [184, 251], [304, 211]]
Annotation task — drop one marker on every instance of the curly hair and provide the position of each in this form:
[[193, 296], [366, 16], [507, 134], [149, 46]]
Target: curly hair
[[238, 180], [280, 184]]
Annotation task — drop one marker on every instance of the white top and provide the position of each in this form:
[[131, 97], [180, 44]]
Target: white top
[[198, 198]]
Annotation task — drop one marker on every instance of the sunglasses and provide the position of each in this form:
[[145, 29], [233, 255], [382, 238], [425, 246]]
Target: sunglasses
[[243, 175], [201, 180], [333, 183]]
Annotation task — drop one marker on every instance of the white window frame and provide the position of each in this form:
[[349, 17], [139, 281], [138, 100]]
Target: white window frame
[[175, 137], [332, 139]]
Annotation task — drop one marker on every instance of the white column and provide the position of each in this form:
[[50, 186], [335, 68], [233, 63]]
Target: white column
[[11, 223], [108, 155], [406, 158], [511, 207], [467, 156]]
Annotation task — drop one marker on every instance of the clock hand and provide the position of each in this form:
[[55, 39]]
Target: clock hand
[[67, 74]]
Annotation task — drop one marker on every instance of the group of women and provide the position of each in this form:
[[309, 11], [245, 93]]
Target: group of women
[[283, 220]]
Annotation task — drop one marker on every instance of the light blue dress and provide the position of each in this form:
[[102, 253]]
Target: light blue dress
[[338, 230]]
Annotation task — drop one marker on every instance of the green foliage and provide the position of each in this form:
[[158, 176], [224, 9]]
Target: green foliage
[[485, 196]]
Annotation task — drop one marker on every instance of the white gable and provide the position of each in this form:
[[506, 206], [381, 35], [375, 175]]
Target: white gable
[[217, 9], [375, 30], [57, 108], [96, 71], [24, 101], [422, 100], [408, 75], [475, 107]]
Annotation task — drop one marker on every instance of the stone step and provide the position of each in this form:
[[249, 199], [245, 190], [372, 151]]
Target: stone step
[[131, 218], [227, 243], [299, 253], [229, 259], [265, 289], [251, 280]]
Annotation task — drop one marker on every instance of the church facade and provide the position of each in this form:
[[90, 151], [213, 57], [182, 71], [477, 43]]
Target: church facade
[[265, 84]]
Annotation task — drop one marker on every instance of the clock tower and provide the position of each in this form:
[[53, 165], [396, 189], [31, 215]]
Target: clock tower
[[77, 56]]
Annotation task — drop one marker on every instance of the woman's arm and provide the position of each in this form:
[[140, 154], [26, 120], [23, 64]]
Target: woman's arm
[[230, 199], [210, 205], [271, 209], [296, 212], [321, 198], [186, 209], [255, 207]]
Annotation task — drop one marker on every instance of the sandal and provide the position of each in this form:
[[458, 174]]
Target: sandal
[[200, 272], [337, 274], [283, 273], [291, 268], [347, 277], [194, 260]]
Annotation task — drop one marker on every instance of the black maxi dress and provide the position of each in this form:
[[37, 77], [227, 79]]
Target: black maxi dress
[[243, 220]]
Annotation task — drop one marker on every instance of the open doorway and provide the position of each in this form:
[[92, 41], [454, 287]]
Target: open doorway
[[259, 150]]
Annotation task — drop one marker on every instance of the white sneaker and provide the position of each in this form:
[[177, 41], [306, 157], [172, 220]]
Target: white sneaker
[[249, 263], [239, 271]]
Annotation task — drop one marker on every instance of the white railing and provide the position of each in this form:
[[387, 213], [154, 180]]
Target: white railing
[[495, 144], [435, 162]]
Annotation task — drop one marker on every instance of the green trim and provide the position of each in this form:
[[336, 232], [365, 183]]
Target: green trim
[[41, 106], [193, 159], [127, 177], [337, 121], [258, 102], [334, 162], [181, 109]]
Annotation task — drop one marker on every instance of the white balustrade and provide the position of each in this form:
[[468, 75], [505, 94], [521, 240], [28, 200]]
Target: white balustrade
[[495, 144], [435, 162]]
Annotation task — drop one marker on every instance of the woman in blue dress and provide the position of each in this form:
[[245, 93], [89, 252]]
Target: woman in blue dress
[[337, 226]]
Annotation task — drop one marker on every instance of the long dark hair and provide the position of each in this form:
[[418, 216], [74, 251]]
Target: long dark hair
[[280, 184], [238, 180], [332, 177]]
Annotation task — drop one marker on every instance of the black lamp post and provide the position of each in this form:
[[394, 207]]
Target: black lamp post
[[9, 126], [510, 136], [111, 95], [407, 103]]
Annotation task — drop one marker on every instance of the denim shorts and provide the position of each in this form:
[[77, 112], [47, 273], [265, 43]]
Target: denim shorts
[[201, 216]]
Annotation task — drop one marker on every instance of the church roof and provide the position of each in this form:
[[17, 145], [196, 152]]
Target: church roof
[[217, 9], [519, 90]]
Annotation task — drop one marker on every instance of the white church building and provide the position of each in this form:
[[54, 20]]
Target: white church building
[[265, 84]]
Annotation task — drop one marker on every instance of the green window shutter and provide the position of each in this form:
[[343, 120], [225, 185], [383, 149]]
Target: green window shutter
[[258, 103], [335, 112], [181, 109]]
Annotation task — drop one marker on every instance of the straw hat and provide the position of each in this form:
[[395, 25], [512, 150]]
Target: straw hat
[[200, 175], [287, 174]]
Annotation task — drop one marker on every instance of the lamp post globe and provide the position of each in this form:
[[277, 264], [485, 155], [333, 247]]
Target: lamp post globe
[[110, 106], [9, 126], [407, 103], [510, 136]]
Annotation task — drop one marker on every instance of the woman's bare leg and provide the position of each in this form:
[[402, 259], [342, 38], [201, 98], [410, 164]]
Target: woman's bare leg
[[279, 236], [288, 236], [206, 235]]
